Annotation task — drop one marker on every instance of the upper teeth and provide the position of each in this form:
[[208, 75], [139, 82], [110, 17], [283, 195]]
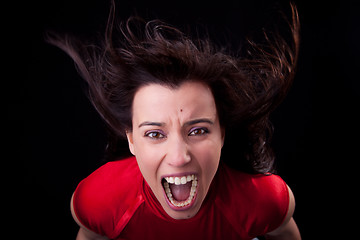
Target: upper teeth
[[180, 180]]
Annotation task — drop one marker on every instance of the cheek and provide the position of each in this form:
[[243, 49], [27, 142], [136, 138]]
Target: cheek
[[148, 159], [208, 157], [148, 168], [150, 156]]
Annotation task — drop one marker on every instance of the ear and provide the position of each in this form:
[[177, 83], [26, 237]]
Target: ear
[[130, 139]]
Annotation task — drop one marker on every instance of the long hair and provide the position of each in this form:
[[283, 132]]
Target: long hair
[[246, 88]]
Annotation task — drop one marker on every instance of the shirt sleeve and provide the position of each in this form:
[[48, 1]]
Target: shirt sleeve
[[253, 204], [271, 203], [91, 207], [105, 201]]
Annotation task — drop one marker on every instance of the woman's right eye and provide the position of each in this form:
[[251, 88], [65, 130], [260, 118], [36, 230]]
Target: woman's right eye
[[155, 135]]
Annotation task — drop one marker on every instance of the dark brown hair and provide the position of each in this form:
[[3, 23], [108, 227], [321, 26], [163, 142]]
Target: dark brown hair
[[246, 88]]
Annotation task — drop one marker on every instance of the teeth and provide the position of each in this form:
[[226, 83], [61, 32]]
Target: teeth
[[178, 181], [183, 180]]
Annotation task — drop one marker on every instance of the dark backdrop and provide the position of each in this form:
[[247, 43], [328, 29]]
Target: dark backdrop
[[61, 138]]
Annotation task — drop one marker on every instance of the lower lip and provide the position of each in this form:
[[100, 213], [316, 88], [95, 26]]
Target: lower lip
[[173, 207]]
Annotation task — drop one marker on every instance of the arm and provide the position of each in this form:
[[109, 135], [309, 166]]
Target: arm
[[288, 230], [84, 233]]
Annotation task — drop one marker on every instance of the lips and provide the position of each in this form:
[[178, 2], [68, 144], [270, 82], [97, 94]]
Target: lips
[[180, 191]]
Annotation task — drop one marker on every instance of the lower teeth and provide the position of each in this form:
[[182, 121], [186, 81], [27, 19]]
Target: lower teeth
[[182, 203]]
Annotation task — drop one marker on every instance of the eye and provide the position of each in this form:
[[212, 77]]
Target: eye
[[198, 131], [154, 135]]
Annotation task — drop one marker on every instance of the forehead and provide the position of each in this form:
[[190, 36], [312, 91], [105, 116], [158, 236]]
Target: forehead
[[158, 102]]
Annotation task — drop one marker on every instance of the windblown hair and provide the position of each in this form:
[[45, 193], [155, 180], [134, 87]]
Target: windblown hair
[[246, 89]]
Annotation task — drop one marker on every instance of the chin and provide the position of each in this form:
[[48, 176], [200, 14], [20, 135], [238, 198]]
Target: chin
[[183, 214]]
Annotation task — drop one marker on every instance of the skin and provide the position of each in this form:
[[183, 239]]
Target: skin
[[177, 131], [175, 135]]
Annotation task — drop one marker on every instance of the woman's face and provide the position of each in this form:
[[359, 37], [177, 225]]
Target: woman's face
[[177, 141]]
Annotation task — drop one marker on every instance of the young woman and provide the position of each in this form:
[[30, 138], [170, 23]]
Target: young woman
[[176, 100]]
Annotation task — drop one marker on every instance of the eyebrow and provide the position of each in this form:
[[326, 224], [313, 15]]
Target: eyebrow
[[159, 124], [201, 120], [189, 123]]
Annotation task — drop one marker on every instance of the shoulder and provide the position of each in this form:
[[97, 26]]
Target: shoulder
[[261, 200], [109, 182], [105, 195], [257, 186]]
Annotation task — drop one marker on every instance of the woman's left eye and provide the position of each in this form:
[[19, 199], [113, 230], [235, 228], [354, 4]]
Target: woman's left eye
[[198, 131]]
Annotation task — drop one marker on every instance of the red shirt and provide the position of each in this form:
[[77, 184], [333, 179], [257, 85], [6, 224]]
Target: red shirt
[[115, 201]]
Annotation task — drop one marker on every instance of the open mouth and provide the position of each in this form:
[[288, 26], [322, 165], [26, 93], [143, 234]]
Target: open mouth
[[180, 191]]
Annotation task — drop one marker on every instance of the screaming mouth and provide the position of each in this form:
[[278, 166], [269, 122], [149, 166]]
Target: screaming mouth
[[180, 191]]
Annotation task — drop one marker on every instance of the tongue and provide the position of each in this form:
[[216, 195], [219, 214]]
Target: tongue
[[180, 192]]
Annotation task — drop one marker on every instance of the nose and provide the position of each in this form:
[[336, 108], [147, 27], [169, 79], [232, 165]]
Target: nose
[[178, 152]]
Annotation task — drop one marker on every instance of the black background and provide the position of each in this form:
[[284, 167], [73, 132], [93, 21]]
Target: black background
[[61, 138]]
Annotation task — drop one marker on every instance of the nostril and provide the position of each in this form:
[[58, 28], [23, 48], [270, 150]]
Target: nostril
[[178, 153], [179, 161]]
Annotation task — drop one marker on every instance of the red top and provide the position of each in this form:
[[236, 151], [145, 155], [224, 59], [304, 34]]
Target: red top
[[115, 201]]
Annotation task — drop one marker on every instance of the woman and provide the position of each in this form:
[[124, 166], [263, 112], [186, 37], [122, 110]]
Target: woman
[[176, 100]]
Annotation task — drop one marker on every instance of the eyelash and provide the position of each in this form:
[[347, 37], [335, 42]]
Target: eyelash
[[203, 131], [157, 135], [150, 133]]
